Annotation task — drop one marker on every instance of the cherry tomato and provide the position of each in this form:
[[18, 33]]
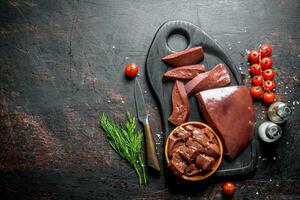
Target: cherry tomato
[[253, 56], [266, 50], [266, 63], [268, 97], [256, 91], [269, 85], [268, 74], [131, 70], [255, 69], [229, 189], [257, 80]]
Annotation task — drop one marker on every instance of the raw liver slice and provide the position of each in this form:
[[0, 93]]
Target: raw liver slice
[[186, 57], [184, 73], [229, 111], [215, 78], [181, 106]]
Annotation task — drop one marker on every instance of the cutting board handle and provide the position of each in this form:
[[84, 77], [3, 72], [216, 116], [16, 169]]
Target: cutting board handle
[[183, 28]]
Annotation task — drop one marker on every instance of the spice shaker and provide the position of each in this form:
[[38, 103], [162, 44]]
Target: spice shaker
[[279, 112], [269, 132]]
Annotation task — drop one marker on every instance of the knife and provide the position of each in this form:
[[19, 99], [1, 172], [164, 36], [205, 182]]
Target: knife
[[151, 156]]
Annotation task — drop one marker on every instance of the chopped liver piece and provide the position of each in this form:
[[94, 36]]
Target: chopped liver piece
[[200, 137], [230, 112], [182, 133], [186, 57], [177, 164], [188, 153], [204, 162], [209, 134], [215, 78], [213, 150], [184, 73], [191, 143], [172, 144], [192, 170], [181, 106], [189, 127]]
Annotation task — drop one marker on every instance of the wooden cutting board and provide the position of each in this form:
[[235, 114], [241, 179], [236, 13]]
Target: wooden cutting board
[[162, 44]]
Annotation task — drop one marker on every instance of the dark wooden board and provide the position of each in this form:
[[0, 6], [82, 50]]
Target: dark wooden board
[[214, 54], [61, 66]]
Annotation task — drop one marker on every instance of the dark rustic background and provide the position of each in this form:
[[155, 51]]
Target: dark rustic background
[[61, 66]]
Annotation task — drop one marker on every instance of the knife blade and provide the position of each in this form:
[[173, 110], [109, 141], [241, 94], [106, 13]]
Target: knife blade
[[152, 160], [140, 103]]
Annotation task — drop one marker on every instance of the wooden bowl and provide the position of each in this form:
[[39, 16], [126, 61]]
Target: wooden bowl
[[218, 161]]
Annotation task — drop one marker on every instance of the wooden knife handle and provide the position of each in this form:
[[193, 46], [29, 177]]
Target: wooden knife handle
[[152, 160]]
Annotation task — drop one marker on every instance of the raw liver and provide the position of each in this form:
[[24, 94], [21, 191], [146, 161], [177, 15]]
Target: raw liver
[[182, 133], [192, 170], [184, 73], [200, 137], [229, 111], [181, 106], [184, 146], [205, 162], [177, 164], [215, 78], [188, 153], [186, 57], [173, 141], [211, 150]]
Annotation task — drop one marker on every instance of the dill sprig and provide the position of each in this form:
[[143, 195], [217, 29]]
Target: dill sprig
[[126, 142]]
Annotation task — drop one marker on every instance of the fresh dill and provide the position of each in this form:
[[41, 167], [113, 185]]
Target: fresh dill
[[127, 142]]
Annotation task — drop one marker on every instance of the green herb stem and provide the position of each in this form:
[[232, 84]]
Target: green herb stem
[[141, 161]]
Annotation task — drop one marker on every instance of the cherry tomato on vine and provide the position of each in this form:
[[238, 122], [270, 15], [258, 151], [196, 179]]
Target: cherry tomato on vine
[[268, 97], [255, 69], [131, 70], [268, 74], [253, 56], [266, 63], [269, 85], [256, 91], [257, 80], [266, 50], [229, 189]]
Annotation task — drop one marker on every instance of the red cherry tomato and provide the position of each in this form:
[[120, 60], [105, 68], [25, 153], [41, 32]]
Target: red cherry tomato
[[268, 74], [257, 80], [268, 97], [269, 85], [229, 189], [255, 69], [256, 91], [131, 70], [266, 50], [253, 56], [266, 63]]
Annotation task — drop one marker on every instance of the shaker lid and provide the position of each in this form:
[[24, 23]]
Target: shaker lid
[[284, 111], [273, 131]]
